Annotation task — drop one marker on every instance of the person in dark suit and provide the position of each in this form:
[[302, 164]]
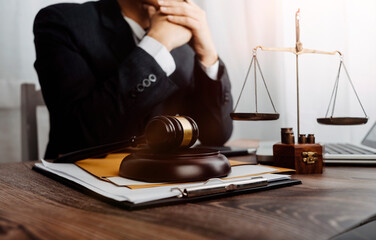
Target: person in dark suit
[[103, 77]]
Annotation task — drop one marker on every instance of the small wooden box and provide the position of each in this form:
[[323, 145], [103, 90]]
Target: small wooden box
[[304, 158]]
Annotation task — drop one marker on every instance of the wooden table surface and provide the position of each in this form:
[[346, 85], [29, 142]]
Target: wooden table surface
[[33, 206]]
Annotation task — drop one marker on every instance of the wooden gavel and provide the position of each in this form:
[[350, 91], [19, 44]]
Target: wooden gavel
[[162, 134]]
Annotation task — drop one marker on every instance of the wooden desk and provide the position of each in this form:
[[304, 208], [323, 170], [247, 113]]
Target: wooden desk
[[33, 206]]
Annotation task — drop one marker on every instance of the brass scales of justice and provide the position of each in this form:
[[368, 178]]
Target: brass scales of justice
[[306, 156]]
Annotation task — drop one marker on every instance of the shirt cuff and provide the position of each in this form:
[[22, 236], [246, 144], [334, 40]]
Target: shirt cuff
[[160, 53], [211, 71]]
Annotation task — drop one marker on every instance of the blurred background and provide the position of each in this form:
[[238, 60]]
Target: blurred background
[[237, 27]]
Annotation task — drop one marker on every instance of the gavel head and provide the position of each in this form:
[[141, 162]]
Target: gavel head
[[169, 133]]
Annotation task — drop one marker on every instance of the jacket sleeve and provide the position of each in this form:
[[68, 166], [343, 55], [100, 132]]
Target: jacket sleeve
[[93, 109], [213, 106]]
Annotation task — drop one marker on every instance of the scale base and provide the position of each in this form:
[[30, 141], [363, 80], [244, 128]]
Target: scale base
[[183, 166], [304, 158]]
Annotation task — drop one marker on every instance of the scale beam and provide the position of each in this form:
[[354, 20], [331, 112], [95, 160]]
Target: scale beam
[[293, 50], [298, 49]]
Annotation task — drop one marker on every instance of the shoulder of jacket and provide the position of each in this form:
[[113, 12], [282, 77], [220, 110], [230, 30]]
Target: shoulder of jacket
[[68, 9]]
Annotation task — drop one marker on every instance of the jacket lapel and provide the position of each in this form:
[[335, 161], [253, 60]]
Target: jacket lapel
[[121, 41]]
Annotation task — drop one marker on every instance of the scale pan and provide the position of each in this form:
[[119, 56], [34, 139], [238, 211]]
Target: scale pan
[[342, 120], [254, 116]]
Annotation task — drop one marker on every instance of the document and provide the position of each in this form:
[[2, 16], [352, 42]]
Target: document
[[118, 188]]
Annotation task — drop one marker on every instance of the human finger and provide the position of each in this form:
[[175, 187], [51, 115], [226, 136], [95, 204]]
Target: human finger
[[188, 22], [181, 11], [172, 3], [177, 3], [192, 3], [151, 10]]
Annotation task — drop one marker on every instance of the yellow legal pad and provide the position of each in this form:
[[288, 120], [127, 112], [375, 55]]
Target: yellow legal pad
[[107, 167]]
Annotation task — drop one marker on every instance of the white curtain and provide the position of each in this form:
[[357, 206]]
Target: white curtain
[[237, 27], [17, 54]]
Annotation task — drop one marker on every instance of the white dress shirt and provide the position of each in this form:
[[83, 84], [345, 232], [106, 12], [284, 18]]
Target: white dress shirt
[[160, 53]]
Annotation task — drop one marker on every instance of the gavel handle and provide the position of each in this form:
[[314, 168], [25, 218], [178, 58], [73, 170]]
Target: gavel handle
[[98, 150]]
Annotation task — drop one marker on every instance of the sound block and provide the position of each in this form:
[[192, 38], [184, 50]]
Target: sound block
[[183, 166]]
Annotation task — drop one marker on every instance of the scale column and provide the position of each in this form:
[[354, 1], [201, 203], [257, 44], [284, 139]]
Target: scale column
[[297, 94]]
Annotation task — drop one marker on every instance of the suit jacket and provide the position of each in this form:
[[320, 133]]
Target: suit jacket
[[93, 75]]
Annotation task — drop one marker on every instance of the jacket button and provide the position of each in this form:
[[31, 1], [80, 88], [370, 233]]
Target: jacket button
[[146, 83], [140, 87], [152, 78]]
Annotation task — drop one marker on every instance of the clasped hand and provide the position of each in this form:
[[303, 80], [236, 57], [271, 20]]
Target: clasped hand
[[178, 22]]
